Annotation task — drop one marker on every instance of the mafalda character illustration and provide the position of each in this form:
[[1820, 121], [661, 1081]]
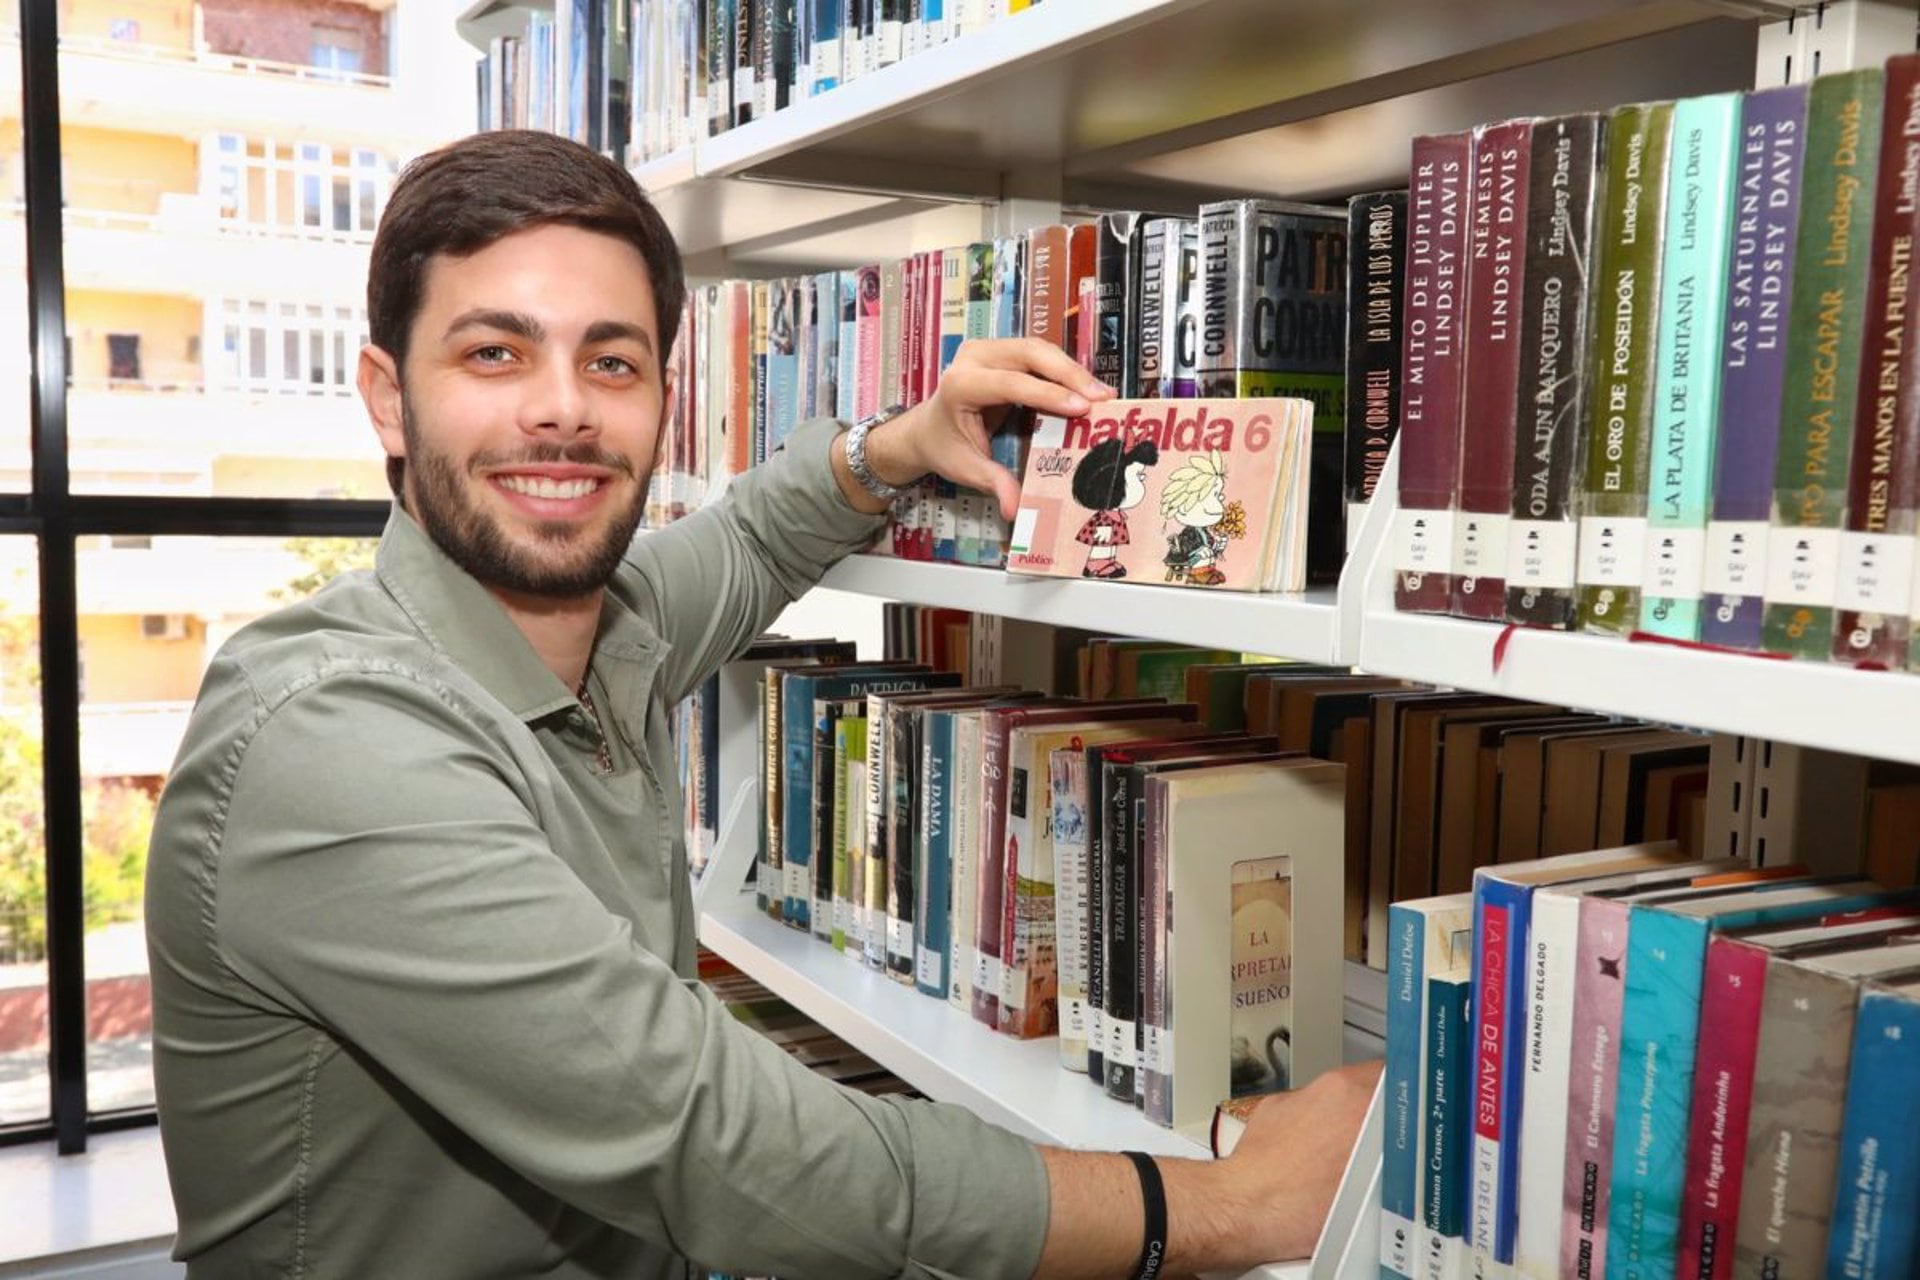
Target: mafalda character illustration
[[1195, 498], [1109, 480]]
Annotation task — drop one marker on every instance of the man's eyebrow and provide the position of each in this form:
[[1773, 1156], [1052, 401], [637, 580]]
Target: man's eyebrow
[[517, 323], [617, 330]]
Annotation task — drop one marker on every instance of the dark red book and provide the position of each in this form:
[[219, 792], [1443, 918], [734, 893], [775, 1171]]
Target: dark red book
[[1497, 252], [1433, 361]]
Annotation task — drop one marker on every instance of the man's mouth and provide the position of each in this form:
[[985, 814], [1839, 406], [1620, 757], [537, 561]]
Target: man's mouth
[[545, 487]]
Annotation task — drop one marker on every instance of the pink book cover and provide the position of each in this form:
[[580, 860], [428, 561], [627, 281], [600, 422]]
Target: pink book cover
[[990, 884], [866, 343], [1730, 1000], [1599, 994], [1176, 492]]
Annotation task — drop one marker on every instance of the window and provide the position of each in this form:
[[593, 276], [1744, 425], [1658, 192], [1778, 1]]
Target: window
[[308, 188], [123, 356], [312, 347], [338, 49], [24, 1084]]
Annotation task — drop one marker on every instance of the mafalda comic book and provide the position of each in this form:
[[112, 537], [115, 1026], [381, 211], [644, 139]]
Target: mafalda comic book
[[1191, 493]]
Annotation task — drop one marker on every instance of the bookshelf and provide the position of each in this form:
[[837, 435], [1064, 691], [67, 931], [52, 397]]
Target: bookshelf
[[1161, 104]]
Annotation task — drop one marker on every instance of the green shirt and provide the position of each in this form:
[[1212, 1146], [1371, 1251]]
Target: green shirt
[[423, 975]]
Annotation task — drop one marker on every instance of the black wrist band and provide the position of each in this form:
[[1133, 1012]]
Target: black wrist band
[[1153, 1196]]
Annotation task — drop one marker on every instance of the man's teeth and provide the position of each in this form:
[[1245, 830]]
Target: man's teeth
[[540, 487]]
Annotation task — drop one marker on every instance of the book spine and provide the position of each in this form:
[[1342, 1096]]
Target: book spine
[[767, 894], [903, 773], [1686, 402], [1658, 1022], [1376, 296], [760, 311], [1760, 272], [934, 881], [896, 325], [1068, 770], [1182, 379], [1220, 276], [871, 906], [1563, 195], [850, 892], [1874, 1226], [1159, 247], [1400, 1169], [989, 973], [1793, 1134], [966, 862], [1613, 497], [745, 66], [1117, 278], [1028, 1006], [1875, 591], [1433, 355], [1824, 349], [828, 59], [1156, 1023], [1553, 942], [796, 850], [973, 504], [826, 821], [1731, 991], [1446, 1125], [1096, 921], [1599, 990], [1500, 915], [1123, 937], [850, 746], [1496, 251]]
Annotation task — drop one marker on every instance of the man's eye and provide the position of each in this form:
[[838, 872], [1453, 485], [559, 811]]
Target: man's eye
[[493, 354], [616, 365]]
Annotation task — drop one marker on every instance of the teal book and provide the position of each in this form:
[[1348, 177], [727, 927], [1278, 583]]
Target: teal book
[[1659, 1040], [1693, 308], [1446, 1123], [1875, 1232]]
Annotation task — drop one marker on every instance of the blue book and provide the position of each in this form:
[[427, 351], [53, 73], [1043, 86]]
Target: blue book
[[1445, 1122], [1753, 364], [849, 312], [1693, 276], [797, 697], [783, 361], [827, 58], [1874, 1231], [826, 344], [1659, 1038], [1425, 937]]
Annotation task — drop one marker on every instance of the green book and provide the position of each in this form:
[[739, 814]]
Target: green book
[[1818, 403], [1621, 369], [849, 817]]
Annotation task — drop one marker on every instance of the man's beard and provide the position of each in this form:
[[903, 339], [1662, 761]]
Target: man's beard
[[580, 563]]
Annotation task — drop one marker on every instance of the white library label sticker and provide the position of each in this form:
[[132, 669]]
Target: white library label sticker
[[1540, 554], [1736, 557], [1153, 1056], [899, 937], [1803, 567], [1612, 550], [1073, 1020], [927, 970], [1876, 573], [1422, 543], [799, 886], [1013, 990], [987, 975], [1676, 559], [1023, 521], [1120, 1050], [1480, 544]]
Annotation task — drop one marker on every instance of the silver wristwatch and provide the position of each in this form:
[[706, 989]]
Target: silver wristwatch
[[857, 456]]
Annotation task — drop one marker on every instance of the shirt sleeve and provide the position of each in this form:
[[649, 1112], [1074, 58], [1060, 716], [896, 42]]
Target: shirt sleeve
[[431, 926], [712, 582]]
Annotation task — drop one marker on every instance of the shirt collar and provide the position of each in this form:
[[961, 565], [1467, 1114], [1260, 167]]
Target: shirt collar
[[463, 621]]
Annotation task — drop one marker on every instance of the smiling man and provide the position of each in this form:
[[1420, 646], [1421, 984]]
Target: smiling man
[[421, 931]]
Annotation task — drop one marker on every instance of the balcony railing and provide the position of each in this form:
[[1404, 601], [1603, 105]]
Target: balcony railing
[[183, 213], [133, 51]]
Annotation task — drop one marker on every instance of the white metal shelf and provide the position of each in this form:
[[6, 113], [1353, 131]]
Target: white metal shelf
[[1018, 1084], [1870, 713], [1303, 626]]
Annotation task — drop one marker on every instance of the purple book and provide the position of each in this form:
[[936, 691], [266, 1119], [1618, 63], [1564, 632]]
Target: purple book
[[1599, 997], [1773, 126]]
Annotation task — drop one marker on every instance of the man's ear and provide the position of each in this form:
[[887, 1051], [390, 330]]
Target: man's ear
[[378, 378]]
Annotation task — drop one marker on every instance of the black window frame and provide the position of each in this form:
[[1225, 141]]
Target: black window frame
[[56, 517]]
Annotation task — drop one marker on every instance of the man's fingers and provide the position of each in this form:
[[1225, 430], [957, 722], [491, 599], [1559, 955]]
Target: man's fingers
[[979, 387], [1038, 357]]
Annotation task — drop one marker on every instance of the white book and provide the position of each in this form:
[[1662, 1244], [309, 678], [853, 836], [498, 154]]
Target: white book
[[966, 860], [1068, 780], [1256, 848]]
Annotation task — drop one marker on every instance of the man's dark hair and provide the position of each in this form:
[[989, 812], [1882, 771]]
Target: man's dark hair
[[464, 197], [1100, 481]]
